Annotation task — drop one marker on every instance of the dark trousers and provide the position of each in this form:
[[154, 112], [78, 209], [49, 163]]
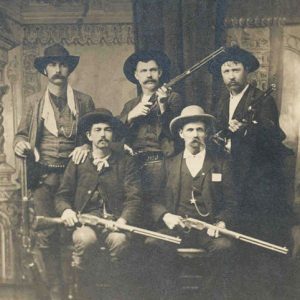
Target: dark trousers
[[47, 241], [165, 263]]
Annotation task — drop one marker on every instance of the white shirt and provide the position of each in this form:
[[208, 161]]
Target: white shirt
[[194, 162], [146, 98], [235, 100]]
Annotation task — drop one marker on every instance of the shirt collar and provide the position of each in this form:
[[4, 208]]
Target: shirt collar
[[188, 154], [239, 95]]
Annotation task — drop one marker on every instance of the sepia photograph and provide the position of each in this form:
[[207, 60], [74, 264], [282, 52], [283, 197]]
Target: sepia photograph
[[149, 150]]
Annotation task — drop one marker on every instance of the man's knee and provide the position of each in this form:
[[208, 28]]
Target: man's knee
[[84, 237], [221, 245], [116, 243]]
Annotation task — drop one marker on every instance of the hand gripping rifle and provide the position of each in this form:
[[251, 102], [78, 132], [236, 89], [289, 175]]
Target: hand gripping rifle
[[91, 220], [31, 271], [200, 225], [188, 72], [221, 137]]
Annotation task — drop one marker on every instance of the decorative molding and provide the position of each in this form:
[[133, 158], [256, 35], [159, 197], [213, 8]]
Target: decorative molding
[[86, 34], [292, 43], [254, 22]]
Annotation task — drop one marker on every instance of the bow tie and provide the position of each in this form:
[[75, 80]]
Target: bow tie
[[101, 163]]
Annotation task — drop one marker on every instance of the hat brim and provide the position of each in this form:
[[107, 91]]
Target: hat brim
[[249, 61], [40, 63], [88, 120], [161, 59], [180, 121]]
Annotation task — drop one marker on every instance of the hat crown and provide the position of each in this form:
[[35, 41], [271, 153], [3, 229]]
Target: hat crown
[[104, 112], [192, 110], [56, 50]]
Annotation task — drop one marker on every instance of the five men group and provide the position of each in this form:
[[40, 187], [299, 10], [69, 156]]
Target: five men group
[[156, 184]]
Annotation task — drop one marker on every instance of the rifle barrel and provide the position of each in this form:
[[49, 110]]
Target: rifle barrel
[[199, 225]]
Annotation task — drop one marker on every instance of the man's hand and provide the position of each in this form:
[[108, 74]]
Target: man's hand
[[128, 149], [215, 232], [296, 241], [22, 148], [173, 220], [142, 109], [69, 217], [79, 154], [162, 97], [235, 125]]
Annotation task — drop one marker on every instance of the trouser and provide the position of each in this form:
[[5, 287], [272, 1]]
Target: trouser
[[47, 241], [87, 246], [166, 267]]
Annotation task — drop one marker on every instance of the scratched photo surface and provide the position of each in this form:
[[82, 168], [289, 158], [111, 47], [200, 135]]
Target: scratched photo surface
[[256, 256]]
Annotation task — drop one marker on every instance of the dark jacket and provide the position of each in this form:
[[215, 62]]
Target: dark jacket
[[174, 107], [219, 196], [120, 184], [31, 123]]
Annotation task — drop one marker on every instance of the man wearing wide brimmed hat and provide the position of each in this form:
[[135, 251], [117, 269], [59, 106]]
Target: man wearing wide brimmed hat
[[256, 153], [198, 184], [106, 183], [149, 135], [48, 128]]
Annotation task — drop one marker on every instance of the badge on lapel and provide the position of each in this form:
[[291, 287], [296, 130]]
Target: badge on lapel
[[216, 177]]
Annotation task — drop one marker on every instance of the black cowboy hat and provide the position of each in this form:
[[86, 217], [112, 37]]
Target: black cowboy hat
[[56, 52], [161, 59], [100, 115], [191, 113], [234, 53]]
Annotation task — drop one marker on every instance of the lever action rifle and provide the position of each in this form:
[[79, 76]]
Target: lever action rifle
[[31, 272], [187, 73], [200, 225], [91, 220]]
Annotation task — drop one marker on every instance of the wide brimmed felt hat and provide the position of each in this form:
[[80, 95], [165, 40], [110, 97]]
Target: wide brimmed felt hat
[[234, 53], [56, 52], [161, 59], [191, 113], [100, 115]]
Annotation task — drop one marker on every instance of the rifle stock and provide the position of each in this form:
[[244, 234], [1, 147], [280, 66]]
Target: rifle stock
[[200, 225]]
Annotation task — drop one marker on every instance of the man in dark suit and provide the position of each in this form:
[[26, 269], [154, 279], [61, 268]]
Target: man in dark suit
[[198, 184], [256, 149], [149, 136], [48, 131], [107, 182], [257, 159]]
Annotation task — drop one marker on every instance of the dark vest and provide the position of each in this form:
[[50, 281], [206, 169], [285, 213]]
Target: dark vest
[[188, 184], [55, 150]]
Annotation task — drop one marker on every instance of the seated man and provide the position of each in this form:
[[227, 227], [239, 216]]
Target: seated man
[[106, 183], [198, 185]]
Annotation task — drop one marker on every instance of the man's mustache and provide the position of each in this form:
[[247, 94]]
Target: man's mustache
[[150, 81], [103, 140], [233, 83], [58, 77]]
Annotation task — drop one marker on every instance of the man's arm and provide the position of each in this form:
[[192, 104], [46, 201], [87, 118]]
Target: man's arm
[[65, 195]]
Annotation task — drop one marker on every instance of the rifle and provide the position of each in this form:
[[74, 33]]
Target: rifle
[[31, 271], [187, 73], [221, 137], [200, 225], [88, 219]]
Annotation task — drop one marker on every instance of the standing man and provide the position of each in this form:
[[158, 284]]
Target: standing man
[[148, 123], [257, 155], [48, 131], [198, 184], [108, 182]]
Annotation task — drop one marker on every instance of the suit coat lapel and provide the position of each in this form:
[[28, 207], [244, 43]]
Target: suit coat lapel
[[175, 172], [242, 107]]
